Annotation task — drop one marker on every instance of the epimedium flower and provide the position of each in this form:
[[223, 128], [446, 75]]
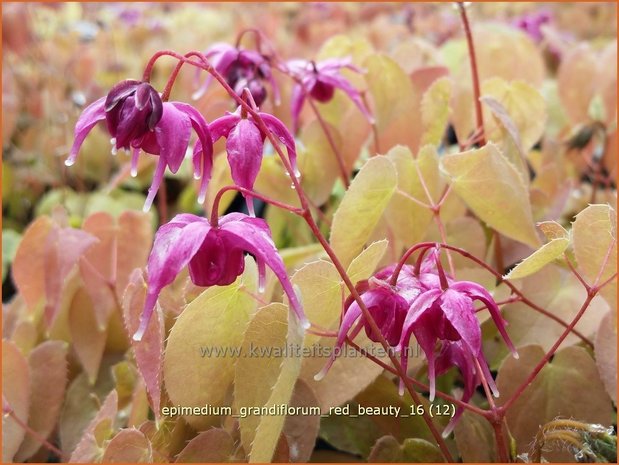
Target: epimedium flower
[[388, 309], [214, 255], [319, 81], [245, 145], [242, 69], [445, 312], [137, 119], [438, 310]]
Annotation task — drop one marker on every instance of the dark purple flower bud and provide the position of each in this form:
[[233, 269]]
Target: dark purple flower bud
[[214, 256], [138, 120], [132, 108]]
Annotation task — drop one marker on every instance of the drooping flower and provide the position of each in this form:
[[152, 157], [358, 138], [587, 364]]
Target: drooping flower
[[445, 312], [245, 145], [214, 255], [437, 310], [319, 81], [388, 309], [137, 119], [241, 68]]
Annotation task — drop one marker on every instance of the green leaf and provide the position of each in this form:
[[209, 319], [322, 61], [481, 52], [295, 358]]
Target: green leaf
[[493, 188], [388, 450], [211, 446], [269, 379], [524, 106], [362, 207], [395, 102], [475, 439], [320, 288], [364, 264], [128, 446], [216, 319], [595, 247], [407, 218], [435, 111], [545, 254], [557, 391]]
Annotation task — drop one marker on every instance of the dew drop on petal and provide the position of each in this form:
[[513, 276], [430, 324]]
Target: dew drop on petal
[[69, 162], [114, 151], [113, 141], [134, 171]]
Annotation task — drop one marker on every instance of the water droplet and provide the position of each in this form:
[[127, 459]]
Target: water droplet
[[113, 141], [261, 287], [292, 186], [69, 162], [297, 173], [134, 171], [197, 176], [114, 151]]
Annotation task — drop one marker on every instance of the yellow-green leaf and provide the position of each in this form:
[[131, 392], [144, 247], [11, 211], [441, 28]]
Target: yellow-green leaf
[[216, 319], [524, 105], [406, 217], [492, 187], [268, 379], [396, 103], [595, 247], [366, 262], [320, 288], [539, 259], [362, 207], [435, 111]]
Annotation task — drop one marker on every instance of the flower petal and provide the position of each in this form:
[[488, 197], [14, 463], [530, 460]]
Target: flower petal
[[352, 314], [175, 245], [244, 147], [341, 83], [93, 113], [459, 310], [296, 105], [282, 133], [254, 236], [172, 133], [477, 292]]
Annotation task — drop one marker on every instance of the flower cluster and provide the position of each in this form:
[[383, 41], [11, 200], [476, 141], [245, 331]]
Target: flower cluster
[[437, 310]]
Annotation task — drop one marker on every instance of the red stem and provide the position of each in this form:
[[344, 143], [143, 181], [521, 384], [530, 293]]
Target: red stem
[[243, 190], [336, 151], [548, 355], [474, 70]]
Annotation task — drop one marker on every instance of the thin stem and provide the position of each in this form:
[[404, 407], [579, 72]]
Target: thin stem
[[474, 71], [575, 272], [8, 410], [245, 191], [338, 156], [501, 445], [549, 354]]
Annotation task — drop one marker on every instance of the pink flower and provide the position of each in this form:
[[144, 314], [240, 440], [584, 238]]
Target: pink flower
[[241, 69], [445, 312], [319, 81], [215, 256], [138, 119], [388, 309], [438, 310], [245, 145]]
